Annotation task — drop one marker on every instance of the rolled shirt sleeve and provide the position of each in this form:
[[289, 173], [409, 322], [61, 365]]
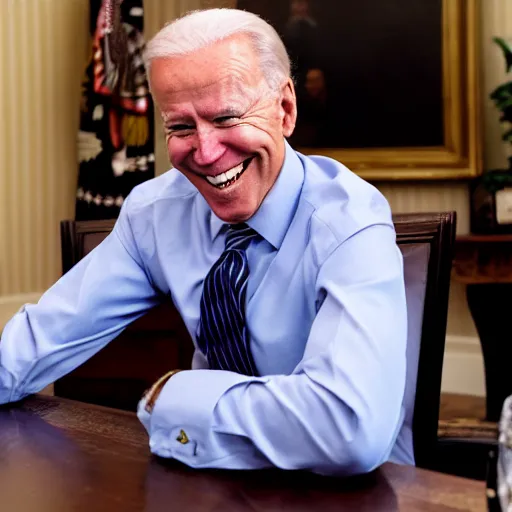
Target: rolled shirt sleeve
[[77, 316], [339, 412]]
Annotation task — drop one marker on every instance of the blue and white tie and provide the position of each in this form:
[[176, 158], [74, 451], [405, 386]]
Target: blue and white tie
[[223, 335]]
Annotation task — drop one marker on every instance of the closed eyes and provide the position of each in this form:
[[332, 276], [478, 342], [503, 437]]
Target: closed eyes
[[183, 129], [225, 119], [178, 127]]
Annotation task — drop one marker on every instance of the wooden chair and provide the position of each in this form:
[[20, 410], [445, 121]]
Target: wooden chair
[[118, 374], [427, 245]]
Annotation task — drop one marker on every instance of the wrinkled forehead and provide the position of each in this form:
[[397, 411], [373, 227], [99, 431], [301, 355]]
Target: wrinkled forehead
[[214, 78], [232, 57], [228, 94]]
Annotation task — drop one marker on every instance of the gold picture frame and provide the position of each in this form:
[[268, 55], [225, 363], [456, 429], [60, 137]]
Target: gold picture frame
[[460, 155]]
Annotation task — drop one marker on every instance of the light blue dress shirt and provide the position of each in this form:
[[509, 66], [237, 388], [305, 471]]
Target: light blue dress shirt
[[325, 308]]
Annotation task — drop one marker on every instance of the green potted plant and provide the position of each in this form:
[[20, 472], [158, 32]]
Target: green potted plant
[[491, 193]]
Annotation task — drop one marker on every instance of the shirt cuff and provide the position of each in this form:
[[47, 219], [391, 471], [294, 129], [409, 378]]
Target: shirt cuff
[[180, 425]]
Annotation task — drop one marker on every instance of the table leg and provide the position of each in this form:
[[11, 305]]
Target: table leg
[[491, 308]]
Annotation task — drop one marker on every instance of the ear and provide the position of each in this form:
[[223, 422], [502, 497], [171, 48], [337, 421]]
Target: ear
[[288, 108]]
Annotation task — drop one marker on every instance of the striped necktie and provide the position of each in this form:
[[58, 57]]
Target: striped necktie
[[223, 336]]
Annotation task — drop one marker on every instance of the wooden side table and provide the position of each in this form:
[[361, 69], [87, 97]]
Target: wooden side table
[[484, 264]]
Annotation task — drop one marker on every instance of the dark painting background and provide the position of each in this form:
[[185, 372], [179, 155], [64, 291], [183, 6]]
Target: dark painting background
[[368, 72]]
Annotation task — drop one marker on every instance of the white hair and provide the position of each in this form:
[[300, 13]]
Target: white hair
[[199, 29]]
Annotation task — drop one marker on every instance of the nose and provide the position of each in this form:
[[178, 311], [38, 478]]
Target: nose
[[208, 149]]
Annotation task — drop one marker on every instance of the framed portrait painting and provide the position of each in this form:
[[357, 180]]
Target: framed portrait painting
[[389, 88]]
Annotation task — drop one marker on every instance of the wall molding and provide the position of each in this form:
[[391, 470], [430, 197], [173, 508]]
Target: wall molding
[[463, 369]]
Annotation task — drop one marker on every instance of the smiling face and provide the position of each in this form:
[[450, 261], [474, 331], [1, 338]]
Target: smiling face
[[224, 127]]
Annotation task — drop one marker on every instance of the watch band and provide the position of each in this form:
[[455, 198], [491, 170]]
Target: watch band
[[152, 394]]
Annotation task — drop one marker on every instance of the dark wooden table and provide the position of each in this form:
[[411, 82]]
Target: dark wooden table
[[58, 455], [484, 264]]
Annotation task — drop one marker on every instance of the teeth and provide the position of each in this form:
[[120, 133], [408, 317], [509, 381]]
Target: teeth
[[223, 178]]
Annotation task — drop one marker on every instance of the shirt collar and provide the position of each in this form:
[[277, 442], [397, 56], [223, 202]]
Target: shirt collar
[[276, 212]]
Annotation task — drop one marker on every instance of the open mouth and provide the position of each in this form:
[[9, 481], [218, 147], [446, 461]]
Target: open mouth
[[227, 178]]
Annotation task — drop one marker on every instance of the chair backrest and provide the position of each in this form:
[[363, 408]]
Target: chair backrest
[[152, 345], [427, 244], [118, 374]]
